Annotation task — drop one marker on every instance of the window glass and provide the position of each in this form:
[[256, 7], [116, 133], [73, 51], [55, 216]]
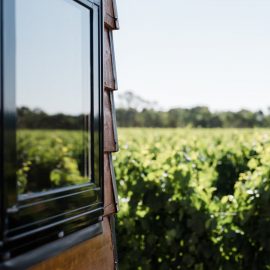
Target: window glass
[[52, 94]]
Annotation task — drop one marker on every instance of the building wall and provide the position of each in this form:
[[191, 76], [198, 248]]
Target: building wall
[[100, 253]]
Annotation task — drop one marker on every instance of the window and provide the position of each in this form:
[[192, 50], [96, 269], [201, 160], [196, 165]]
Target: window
[[51, 122]]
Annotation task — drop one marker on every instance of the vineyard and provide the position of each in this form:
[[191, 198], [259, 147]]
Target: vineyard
[[194, 199], [190, 198]]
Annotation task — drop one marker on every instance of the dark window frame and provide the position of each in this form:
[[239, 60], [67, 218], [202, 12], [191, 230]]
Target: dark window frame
[[30, 222]]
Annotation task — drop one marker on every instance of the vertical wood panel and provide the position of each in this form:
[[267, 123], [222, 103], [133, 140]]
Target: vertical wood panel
[[110, 81], [110, 142], [114, 186], [109, 199], [111, 16]]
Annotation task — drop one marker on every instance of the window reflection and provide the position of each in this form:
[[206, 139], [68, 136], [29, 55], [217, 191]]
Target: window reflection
[[52, 94]]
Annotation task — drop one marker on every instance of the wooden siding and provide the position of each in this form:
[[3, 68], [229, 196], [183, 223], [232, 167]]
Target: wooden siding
[[111, 195], [110, 77], [111, 16], [110, 134], [100, 252], [95, 254], [109, 201]]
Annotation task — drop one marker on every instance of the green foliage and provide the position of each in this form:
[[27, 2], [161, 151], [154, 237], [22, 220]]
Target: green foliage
[[190, 198], [49, 159], [199, 117], [194, 199]]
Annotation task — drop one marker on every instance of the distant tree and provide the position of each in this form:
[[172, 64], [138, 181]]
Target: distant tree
[[128, 100], [137, 112]]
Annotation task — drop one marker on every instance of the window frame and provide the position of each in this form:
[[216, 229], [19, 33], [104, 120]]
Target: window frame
[[44, 217]]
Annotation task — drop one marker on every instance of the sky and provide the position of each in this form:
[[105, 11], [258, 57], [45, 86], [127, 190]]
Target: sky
[[183, 53], [53, 56]]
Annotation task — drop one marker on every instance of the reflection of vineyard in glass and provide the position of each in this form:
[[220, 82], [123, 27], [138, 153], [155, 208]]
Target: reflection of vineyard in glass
[[194, 199], [49, 159]]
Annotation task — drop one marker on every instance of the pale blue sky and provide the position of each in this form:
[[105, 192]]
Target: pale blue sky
[[53, 56], [190, 52]]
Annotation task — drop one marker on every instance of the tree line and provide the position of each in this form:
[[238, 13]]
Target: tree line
[[38, 119], [197, 117], [134, 111]]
